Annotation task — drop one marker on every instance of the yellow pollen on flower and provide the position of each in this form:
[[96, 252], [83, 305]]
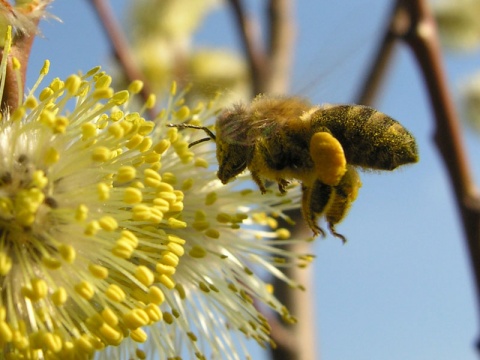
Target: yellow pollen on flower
[[211, 198], [30, 102], [135, 86], [100, 272], [162, 146], [144, 275], [156, 295], [212, 233], [18, 114], [67, 253], [115, 293], [176, 224], [126, 173], [166, 281], [135, 319], [101, 154], [60, 296], [5, 263], [197, 252], [103, 191], [108, 223], [72, 84], [151, 101], [81, 212], [138, 335], [92, 228], [51, 156], [165, 269]]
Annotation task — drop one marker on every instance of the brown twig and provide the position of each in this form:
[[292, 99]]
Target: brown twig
[[413, 22], [381, 60], [281, 41], [21, 48], [270, 68], [255, 55], [120, 46], [422, 38]]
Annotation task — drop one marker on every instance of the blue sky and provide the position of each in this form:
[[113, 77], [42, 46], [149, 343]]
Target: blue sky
[[401, 288]]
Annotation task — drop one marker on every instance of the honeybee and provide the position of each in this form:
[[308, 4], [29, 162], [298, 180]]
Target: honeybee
[[285, 138]]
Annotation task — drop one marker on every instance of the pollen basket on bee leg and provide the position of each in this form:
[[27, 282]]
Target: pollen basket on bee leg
[[329, 158]]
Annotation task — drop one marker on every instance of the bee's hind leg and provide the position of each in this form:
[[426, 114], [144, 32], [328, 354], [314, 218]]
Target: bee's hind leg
[[331, 227], [310, 207]]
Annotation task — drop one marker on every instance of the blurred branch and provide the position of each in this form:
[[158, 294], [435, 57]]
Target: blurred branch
[[270, 68], [281, 41], [412, 21], [255, 55], [381, 60], [120, 46]]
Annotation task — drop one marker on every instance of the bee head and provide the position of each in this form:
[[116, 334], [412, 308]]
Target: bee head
[[232, 159], [234, 146]]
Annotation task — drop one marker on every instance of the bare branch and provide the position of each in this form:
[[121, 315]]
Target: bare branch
[[255, 55], [382, 59], [422, 38], [120, 45], [282, 38]]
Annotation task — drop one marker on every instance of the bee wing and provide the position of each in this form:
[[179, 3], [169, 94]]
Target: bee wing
[[242, 129]]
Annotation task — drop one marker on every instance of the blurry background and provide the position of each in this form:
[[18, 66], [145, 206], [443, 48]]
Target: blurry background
[[401, 287]]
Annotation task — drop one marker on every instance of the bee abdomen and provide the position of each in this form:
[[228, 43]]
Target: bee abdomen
[[369, 138]]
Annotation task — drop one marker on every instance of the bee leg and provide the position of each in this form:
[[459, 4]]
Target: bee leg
[[282, 184], [344, 195], [331, 227], [329, 158], [310, 207], [259, 182]]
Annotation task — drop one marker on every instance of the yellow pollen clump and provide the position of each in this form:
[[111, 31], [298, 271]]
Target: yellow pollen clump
[[92, 228], [67, 252], [101, 154], [81, 212], [103, 191], [156, 295], [212, 233], [72, 84], [60, 296], [199, 162], [144, 275], [176, 224], [136, 318], [51, 156], [100, 272], [197, 252], [126, 173], [89, 131], [166, 281], [5, 263], [132, 195], [138, 335], [162, 146], [115, 293], [108, 223], [210, 198], [85, 290]]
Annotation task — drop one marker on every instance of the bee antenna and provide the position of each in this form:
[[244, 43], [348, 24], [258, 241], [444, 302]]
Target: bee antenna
[[200, 141], [204, 128]]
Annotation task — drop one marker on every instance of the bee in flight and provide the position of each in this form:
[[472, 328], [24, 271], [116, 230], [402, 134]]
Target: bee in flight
[[285, 138]]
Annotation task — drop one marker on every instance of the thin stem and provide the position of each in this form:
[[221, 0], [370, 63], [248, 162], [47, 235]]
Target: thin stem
[[281, 41], [120, 46], [422, 38], [381, 61], [255, 55]]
